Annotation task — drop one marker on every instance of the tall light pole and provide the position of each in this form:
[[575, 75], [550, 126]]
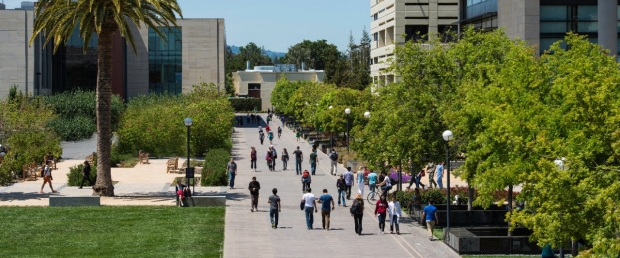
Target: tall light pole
[[188, 123], [331, 137], [447, 136], [347, 111]]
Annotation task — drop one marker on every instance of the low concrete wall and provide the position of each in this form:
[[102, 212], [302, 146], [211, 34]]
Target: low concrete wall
[[204, 201], [59, 201], [490, 241]]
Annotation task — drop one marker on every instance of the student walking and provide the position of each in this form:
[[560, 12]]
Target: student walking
[[274, 208], [360, 180], [261, 136], [430, 213], [327, 206], [274, 154], [269, 158], [381, 209], [231, 169], [310, 204], [279, 132], [348, 179], [357, 212], [47, 178], [253, 159], [439, 172], [395, 212], [298, 159], [254, 186], [313, 161], [430, 170], [270, 137], [85, 174], [284, 158], [297, 135], [372, 182], [333, 157], [340, 184], [306, 179]]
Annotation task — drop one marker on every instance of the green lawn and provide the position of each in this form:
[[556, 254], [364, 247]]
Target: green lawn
[[500, 256], [111, 231]]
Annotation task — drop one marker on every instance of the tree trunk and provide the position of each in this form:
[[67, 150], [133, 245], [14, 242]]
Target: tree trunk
[[470, 197], [509, 206], [103, 186]]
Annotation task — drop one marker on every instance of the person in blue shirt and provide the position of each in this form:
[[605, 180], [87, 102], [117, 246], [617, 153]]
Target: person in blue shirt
[[439, 172], [327, 206], [372, 182], [430, 212], [348, 180]]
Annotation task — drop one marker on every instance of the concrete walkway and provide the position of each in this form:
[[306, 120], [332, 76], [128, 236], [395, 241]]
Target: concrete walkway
[[249, 234]]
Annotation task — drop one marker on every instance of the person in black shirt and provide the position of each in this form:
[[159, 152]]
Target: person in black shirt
[[298, 159], [254, 187], [86, 174]]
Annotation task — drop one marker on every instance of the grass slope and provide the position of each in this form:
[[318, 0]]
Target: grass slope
[[111, 231]]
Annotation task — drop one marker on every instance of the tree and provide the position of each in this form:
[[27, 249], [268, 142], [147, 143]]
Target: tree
[[57, 19]]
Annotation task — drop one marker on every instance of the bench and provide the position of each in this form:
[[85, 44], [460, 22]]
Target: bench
[[50, 161], [60, 201], [172, 166], [203, 201], [90, 158], [143, 157], [29, 173]]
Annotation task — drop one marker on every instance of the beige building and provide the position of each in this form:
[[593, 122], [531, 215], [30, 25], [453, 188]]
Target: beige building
[[393, 19], [17, 59], [260, 82]]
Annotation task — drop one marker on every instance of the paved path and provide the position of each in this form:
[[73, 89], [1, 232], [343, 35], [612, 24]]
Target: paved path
[[250, 234]]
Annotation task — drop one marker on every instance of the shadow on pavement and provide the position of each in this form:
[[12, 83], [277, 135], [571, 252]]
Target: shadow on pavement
[[23, 196]]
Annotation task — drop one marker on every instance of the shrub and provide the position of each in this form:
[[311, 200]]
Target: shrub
[[73, 128], [245, 104], [74, 177], [214, 171]]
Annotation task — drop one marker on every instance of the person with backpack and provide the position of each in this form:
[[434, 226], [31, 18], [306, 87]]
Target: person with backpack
[[261, 136], [253, 159], [348, 179], [47, 178], [181, 191], [313, 161], [231, 169], [357, 212], [299, 158], [270, 137], [279, 131], [269, 158], [341, 186], [306, 179], [274, 155], [381, 209], [284, 158], [309, 204], [254, 187], [333, 156]]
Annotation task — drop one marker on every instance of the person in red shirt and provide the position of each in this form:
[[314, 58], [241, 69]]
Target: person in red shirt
[[267, 128], [381, 209]]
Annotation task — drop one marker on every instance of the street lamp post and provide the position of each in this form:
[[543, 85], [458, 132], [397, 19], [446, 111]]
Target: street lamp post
[[447, 136], [331, 137], [347, 111], [188, 123]]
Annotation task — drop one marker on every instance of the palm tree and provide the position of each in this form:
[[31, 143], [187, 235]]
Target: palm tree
[[56, 19]]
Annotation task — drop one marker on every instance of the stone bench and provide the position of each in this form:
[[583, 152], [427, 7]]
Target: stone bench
[[58, 201], [204, 201]]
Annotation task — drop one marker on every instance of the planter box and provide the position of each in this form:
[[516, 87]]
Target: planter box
[[490, 240], [204, 201], [61, 201]]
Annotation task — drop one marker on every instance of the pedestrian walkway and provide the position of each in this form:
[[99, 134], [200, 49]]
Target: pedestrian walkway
[[249, 234]]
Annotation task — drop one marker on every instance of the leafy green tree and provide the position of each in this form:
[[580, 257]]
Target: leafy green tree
[[330, 110], [304, 101], [57, 19]]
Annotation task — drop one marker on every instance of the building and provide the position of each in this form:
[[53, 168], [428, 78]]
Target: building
[[543, 22], [194, 52], [260, 82], [391, 19]]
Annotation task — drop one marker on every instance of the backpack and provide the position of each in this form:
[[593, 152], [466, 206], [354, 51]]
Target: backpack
[[354, 207], [333, 156], [393, 181], [305, 174]]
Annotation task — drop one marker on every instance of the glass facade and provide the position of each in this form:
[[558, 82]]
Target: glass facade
[[72, 68], [476, 8], [165, 61]]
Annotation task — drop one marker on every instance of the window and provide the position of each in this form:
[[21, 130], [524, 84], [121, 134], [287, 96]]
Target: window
[[416, 32], [165, 61]]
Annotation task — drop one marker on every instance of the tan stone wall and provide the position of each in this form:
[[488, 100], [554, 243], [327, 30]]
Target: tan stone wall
[[203, 52], [138, 62], [521, 19], [14, 38]]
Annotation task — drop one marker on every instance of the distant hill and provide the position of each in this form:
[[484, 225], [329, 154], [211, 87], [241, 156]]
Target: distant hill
[[235, 49]]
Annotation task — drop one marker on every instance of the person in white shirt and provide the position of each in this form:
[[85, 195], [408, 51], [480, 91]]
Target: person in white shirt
[[386, 185], [395, 213], [310, 203], [360, 180]]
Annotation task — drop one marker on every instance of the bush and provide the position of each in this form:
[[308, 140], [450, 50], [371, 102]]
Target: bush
[[214, 171], [74, 177], [245, 104], [73, 128]]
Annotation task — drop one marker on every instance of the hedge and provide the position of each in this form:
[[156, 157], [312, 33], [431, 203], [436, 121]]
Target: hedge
[[245, 104], [214, 171], [74, 177]]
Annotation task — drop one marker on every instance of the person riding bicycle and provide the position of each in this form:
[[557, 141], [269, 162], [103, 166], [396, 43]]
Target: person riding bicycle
[[386, 185]]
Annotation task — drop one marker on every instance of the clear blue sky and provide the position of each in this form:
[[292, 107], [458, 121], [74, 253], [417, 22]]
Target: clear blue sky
[[279, 24]]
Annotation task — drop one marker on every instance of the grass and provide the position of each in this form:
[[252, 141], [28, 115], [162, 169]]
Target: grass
[[194, 163], [499, 256], [438, 233], [112, 231]]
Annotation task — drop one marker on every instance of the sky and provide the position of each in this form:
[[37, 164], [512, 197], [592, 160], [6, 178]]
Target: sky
[[279, 24]]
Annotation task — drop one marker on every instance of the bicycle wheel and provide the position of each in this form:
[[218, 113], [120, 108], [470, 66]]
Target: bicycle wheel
[[371, 198]]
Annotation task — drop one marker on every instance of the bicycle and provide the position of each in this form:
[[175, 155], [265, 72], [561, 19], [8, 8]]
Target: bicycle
[[372, 194]]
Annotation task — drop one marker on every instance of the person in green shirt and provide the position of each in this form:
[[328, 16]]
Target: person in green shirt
[[313, 161], [298, 134]]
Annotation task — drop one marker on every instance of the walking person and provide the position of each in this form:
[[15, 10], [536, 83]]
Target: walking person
[[372, 183], [327, 206], [253, 159], [417, 179], [231, 168], [274, 154], [348, 179], [298, 134], [254, 186], [299, 157], [181, 192], [85, 174], [306, 179], [310, 204], [439, 172], [313, 161], [333, 156], [274, 208], [342, 187], [430, 213], [279, 131], [395, 212], [261, 136], [381, 209], [360, 180], [269, 158], [47, 178], [270, 137], [430, 170], [284, 158], [357, 212]]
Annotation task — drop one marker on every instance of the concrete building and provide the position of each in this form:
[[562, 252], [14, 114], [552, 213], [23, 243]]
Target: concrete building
[[543, 22], [260, 82], [393, 19], [193, 52]]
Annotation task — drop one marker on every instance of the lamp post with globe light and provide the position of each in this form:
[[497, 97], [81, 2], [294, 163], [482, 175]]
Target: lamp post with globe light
[[347, 111], [188, 123], [447, 136]]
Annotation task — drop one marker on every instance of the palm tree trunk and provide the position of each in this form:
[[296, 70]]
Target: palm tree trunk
[[103, 186]]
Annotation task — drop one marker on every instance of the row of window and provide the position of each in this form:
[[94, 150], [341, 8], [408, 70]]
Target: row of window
[[165, 61]]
